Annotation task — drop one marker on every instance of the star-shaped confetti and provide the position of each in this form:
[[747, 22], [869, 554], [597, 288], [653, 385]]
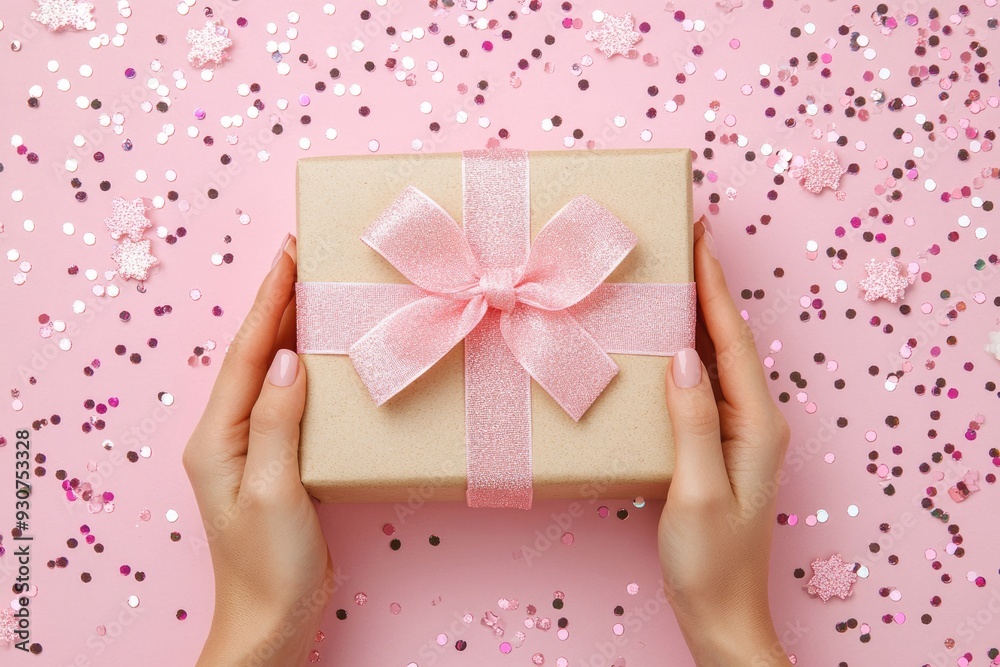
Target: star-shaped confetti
[[831, 577], [616, 35], [133, 259], [885, 280], [822, 170], [8, 624], [993, 347], [209, 44], [59, 14], [127, 218]]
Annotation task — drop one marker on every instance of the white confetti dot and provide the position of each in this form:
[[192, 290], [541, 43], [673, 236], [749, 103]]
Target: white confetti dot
[[980, 233], [930, 185], [13, 255], [598, 16], [646, 135], [29, 225], [822, 516], [89, 238], [373, 145], [484, 121], [547, 125], [416, 144], [217, 259], [852, 510], [461, 117], [65, 344], [86, 70], [145, 451], [90, 274], [59, 326], [141, 176], [331, 52], [812, 246], [305, 143], [425, 107], [329, 9], [207, 75], [331, 133], [68, 228], [133, 601], [53, 66], [79, 307], [863, 572], [357, 46], [840, 286], [113, 290]]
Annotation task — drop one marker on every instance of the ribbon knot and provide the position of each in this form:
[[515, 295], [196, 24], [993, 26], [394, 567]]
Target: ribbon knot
[[498, 288], [525, 310]]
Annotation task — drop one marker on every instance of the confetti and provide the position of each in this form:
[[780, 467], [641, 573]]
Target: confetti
[[133, 259], [209, 44], [884, 280], [821, 171], [59, 14], [615, 36], [831, 577], [127, 218]]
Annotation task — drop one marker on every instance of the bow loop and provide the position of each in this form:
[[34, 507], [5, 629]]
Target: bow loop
[[574, 253]]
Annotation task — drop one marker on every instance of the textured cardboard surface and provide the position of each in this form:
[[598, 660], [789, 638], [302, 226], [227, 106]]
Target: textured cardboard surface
[[413, 447]]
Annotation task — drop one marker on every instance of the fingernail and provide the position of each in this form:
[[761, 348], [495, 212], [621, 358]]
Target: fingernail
[[686, 368], [283, 368], [281, 250]]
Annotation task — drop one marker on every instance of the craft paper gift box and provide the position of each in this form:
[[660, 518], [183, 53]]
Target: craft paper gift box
[[413, 447]]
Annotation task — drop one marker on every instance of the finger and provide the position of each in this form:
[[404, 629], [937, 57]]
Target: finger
[[699, 467], [249, 355], [740, 373], [272, 468], [286, 330], [706, 350]]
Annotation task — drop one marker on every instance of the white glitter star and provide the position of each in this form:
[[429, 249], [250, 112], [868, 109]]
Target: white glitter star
[[128, 218], [133, 259], [821, 171], [615, 36], [831, 577], [993, 347], [886, 280], [209, 44], [58, 14]]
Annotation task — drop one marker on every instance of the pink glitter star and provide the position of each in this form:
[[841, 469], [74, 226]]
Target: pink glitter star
[[59, 14], [886, 280], [8, 624], [821, 171], [616, 35], [831, 577], [209, 44], [133, 259], [128, 218]]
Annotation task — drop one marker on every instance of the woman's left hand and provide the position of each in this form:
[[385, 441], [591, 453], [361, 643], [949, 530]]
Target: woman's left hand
[[273, 573]]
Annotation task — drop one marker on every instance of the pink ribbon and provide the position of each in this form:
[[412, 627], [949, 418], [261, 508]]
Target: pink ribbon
[[525, 311]]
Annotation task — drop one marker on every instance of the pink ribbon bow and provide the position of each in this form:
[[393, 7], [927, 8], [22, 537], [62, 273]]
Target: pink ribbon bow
[[525, 311]]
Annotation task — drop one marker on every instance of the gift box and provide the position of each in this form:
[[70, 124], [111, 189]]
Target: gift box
[[447, 361]]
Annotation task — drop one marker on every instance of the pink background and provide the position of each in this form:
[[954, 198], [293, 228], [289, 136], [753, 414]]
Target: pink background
[[476, 563]]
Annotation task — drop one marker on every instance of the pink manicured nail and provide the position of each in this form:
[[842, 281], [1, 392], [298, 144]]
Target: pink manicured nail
[[686, 368], [283, 368], [281, 250]]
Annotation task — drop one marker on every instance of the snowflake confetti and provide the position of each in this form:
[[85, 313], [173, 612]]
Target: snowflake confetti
[[127, 218], [616, 35], [209, 44], [133, 259], [993, 347], [8, 624], [885, 280], [831, 577], [59, 14], [822, 170]]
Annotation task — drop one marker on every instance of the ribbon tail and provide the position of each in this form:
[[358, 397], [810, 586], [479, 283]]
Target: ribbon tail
[[497, 420], [400, 348], [654, 319], [560, 355]]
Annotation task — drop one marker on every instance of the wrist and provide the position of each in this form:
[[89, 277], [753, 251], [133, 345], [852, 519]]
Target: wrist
[[748, 639], [260, 637]]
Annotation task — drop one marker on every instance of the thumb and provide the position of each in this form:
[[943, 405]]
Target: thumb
[[273, 450], [699, 468]]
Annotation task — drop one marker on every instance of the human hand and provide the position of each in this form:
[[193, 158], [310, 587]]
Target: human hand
[[730, 440], [273, 573]]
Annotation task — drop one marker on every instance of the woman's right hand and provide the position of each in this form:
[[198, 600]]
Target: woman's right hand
[[730, 440]]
